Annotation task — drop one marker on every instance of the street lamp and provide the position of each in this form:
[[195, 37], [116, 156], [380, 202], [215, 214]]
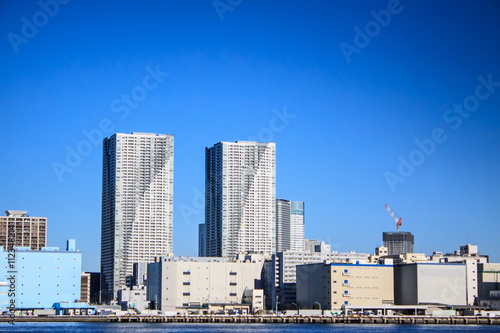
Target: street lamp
[[296, 307]]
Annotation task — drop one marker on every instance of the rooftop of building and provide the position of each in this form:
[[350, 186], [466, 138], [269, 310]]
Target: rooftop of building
[[17, 213], [52, 249], [143, 134]]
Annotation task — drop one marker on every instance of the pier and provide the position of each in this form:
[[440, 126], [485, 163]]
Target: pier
[[269, 319]]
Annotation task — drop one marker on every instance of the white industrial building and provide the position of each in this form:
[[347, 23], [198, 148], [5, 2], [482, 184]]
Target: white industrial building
[[430, 283], [184, 284]]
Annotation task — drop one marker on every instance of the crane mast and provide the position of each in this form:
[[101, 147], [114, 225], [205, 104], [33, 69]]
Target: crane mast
[[398, 221]]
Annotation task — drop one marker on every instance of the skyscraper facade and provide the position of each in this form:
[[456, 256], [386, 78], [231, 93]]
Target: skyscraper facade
[[202, 240], [240, 198], [137, 205], [289, 225], [397, 243]]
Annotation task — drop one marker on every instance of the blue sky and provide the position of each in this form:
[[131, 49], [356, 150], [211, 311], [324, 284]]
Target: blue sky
[[350, 120]]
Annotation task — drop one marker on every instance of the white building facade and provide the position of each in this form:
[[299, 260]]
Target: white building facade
[[177, 284], [240, 198], [137, 205]]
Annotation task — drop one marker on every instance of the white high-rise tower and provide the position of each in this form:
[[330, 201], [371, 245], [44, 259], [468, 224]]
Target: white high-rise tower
[[240, 198], [137, 205]]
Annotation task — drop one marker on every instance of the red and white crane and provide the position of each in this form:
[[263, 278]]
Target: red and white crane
[[394, 216]]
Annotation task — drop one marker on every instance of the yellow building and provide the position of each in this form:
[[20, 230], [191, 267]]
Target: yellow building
[[333, 285]]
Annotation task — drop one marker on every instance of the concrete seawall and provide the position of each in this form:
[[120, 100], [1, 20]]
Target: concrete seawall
[[455, 320]]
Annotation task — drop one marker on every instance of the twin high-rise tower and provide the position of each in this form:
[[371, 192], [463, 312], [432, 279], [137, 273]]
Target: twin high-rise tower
[[240, 204]]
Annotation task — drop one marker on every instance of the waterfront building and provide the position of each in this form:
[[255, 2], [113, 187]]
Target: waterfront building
[[134, 298], [43, 277], [280, 276], [27, 231], [489, 279], [240, 198], [137, 205], [336, 285], [178, 284], [400, 242], [430, 283]]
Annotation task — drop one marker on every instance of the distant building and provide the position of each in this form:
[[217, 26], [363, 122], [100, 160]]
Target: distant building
[[430, 283], [283, 211], [43, 277], [137, 205], [297, 222], [310, 245], [323, 248], [240, 198], [85, 288], [289, 225], [254, 297], [489, 278], [134, 298], [181, 283], [397, 243], [202, 240], [29, 231], [95, 287], [333, 285], [467, 252], [140, 274]]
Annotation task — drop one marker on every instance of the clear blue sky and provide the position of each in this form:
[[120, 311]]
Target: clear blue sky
[[353, 120]]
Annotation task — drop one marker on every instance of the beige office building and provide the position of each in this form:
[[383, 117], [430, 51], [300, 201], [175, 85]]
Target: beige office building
[[335, 285], [177, 284], [28, 231]]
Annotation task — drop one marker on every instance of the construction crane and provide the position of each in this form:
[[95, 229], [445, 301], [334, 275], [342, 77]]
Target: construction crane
[[394, 216]]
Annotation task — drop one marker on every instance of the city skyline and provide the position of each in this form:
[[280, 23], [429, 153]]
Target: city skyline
[[405, 114]]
